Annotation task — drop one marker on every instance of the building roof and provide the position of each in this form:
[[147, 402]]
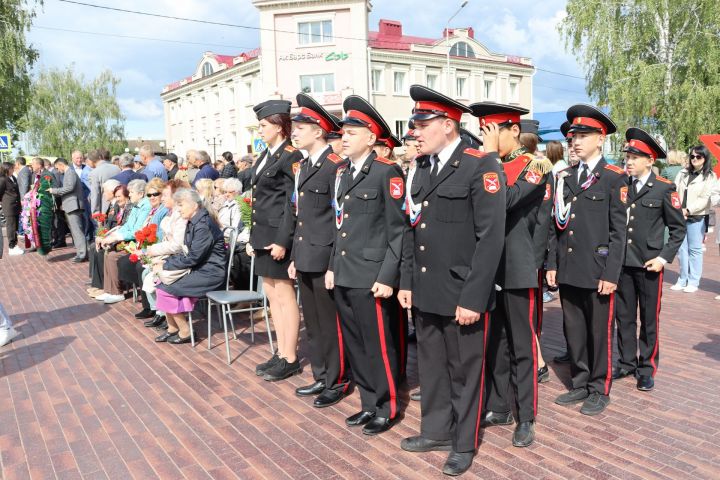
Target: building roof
[[224, 61]]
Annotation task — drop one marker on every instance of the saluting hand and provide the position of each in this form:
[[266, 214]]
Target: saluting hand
[[466, 317], [491, 137], [606, 288], [276, 251], [381, 291], [405, 298]]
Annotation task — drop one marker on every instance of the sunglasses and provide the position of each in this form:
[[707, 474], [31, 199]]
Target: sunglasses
[[696, 157], [150, 195]]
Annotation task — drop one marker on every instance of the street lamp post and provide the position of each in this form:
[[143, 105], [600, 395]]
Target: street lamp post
[[447, 42], [214, 144]]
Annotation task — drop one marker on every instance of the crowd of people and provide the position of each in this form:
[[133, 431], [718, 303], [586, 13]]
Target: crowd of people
[[464, 233]]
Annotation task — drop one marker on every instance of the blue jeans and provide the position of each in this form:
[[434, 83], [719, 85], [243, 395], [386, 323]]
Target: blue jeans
[[690, 254]]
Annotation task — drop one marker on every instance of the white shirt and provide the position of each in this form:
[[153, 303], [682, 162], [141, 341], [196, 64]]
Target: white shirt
[[445, 154], [316, 156], [270, 151], [357, 165], [592, 163], [642, 182]]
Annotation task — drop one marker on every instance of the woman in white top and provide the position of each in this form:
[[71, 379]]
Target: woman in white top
[[229, 211]]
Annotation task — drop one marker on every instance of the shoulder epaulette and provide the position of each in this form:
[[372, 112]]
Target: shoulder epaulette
[[614, 168], [385, 161], [290, 148], [662, 179], [474, 152], [336, 159], [541, 165]]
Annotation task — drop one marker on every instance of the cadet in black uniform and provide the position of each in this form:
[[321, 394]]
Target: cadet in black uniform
[[271, 235], [456, 206], [365, 266], [512, 349], [312, 246], [654, 205], [591, 220]]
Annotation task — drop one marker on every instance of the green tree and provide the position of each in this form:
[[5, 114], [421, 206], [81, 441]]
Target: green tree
[[68, 113], [654, 63], [16, 60]]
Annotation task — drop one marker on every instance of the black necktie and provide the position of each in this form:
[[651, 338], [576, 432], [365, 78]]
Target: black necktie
[[636, 185], [435, 167], [583, 174]]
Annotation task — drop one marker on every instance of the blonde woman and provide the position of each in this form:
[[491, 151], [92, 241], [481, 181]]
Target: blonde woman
[[676, 160]]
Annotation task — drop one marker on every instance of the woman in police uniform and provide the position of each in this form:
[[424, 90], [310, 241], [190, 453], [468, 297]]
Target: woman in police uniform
[[271, 235]]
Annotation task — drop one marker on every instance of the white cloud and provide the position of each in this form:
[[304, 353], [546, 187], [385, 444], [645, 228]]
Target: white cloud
[[140, 109]]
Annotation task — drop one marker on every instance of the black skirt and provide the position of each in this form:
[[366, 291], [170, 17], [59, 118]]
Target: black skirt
[[265, 266]]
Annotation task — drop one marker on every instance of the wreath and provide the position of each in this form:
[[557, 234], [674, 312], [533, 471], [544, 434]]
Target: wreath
[[37, 217]]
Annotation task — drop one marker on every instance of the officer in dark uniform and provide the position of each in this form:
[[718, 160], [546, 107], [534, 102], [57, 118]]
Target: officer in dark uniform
[[590, 217], [512, 339], [312, 246], [456, 207], [654, 205], [365, 266]]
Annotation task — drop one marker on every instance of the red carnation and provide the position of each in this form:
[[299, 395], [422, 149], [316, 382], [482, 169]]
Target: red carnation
[[247, 200], [134, 258], [48, 177]]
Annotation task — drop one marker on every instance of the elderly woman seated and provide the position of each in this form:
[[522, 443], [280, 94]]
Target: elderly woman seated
[[229, 211], [206, 260], [138, 215]]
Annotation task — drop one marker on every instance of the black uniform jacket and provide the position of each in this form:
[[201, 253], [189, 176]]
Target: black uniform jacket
[[541, 235], [315, 230], [524, 198], [368, 246], [458, 241], [656, 206], [592, 247], [273, 216]]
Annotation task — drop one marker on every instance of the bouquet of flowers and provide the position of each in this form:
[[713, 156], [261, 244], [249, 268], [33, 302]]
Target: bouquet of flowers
[[244, 201], [100, 219], [144, 237]]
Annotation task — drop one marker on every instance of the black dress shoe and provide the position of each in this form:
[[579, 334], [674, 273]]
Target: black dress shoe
[[59, 245], [496, 418], [360, 418], [543, 374], [415, 396], [564, 358], [260, 369], [144, 313], [524, 434], [571, 397], [177, 339], [620, 372], [328, 397], [309, 390], [595, 404], [165, 336], [458, 463], [377, 425], [422, 444], [155, 321], [282, 370], [163, 325], [645, 383]]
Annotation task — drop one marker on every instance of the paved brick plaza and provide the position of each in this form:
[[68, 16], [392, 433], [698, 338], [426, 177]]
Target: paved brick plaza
[[86, 393]]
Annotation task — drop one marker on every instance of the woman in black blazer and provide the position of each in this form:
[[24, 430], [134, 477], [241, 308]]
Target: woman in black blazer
[[10, 201], [272, 230]]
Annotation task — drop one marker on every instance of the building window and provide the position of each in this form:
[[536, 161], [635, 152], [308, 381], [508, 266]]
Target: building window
[[377, 80], [514, 91], [207, 69], [462, 49], [400, 128], [399, 83], [317, 83], [460, 83], [431, 81], [489, 89], [310, 33]]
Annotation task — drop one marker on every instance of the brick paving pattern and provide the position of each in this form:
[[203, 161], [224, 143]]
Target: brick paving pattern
[[86, 393]]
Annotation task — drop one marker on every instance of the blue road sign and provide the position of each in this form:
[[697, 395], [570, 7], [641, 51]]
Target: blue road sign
[[258, 145], [5, 142]]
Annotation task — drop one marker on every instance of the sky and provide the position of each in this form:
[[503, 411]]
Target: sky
[[144, 66]]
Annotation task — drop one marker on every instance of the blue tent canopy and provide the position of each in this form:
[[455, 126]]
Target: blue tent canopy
[[550, 125]]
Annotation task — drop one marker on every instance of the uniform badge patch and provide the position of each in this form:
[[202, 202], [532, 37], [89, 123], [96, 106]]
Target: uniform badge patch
[[397, 187], [548, 191], [295, 167], [533, 177], [675, 200], [491, 182], [623, 194]]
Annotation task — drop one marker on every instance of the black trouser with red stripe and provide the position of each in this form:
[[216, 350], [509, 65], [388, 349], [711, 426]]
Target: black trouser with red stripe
[[512, 353], [639, 288], [369, 327], [450, 365], [588, 325], [326, 352], [539, 302]]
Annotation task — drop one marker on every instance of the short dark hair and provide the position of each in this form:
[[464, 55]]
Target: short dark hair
[[105, 153], [21, 161], [123, 189], [6, 169], [172, 157], [228, 156], [707, 166], [529, 141], [60, 160], [94, 155]]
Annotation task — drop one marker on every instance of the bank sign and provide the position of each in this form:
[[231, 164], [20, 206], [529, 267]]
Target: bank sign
[[328, 57]]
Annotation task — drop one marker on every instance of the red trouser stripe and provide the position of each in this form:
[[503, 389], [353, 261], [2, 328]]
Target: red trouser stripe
[[534, 349], [608, 377], [657, 325], [482, 381], [341, 354], [541, 274], [386, 361], [402, 325]]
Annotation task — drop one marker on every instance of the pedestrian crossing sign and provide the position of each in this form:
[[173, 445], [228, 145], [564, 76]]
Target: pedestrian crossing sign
[[5, 142]]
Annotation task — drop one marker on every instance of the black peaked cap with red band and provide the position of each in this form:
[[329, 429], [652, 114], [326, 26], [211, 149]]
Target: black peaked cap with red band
[[430, 104], [588, 118], [359, 113], [491, 112], [272, 107], [391, 142], [335, 134], [641, 142], [565, 129], [312, 112], [528, 125]]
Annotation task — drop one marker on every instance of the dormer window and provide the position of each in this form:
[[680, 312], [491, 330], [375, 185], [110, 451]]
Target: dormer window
[[462, 49], [207, 69]]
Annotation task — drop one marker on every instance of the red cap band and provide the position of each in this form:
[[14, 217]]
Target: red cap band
[[321, 121], [590, 122], [513, 117], [374, 127], [433, 107], [388, 142], [643, 147]]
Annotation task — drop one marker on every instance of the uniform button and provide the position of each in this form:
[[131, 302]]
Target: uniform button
[[299, 223], [342, 253], [254, 199], [316, 190], [365, 195], [423, 269], [347, 197], [346, 215], [629, 229], [629, 240], [632, 218], [253, 210], [422, 225], [254, 187], [632, 206], [570, 250], [574, 199], [422, 248], [571, 232], [572, 215], [593, 197], [344, 234], [254, 223], [426, 203], [300, 239], [302, 194]]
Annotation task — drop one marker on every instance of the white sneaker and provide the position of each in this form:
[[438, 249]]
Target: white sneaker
[[690, 289], [16, 251], [677, 286], [717, 297], [113, 298], [101, 298], [7, 335]]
